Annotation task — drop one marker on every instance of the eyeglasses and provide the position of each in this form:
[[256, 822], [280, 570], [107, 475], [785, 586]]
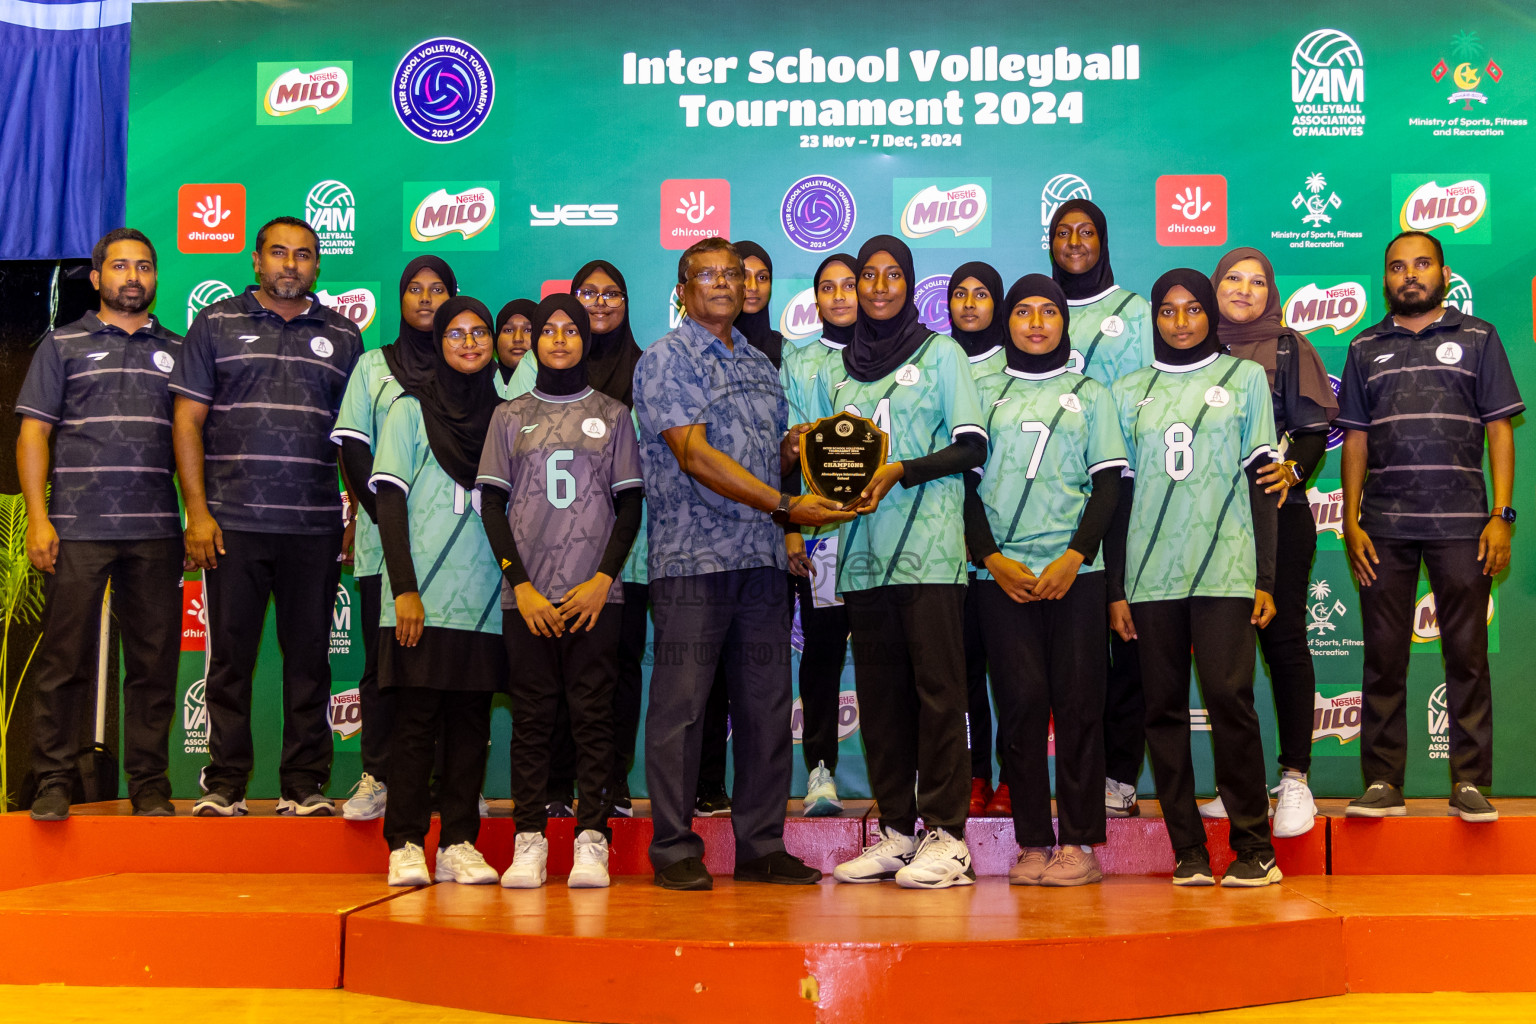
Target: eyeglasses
[[709, 275], [612, 298], [474, 338]]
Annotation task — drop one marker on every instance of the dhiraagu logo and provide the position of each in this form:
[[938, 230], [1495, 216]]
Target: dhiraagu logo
[[947, 213], [453, 215], [313, 92]]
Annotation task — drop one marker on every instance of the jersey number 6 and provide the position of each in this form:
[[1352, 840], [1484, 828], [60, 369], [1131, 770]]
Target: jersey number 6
[[559, 484]]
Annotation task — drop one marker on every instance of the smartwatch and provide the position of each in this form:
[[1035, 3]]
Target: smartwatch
[[1505, 513], [780, 515]]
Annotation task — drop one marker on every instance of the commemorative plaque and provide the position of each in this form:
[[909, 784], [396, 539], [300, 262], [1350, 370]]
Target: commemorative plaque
[[840, 454]]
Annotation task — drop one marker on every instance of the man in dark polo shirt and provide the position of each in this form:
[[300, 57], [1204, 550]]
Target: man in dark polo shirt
[[1421, 389], [98, 386], [256, 395]]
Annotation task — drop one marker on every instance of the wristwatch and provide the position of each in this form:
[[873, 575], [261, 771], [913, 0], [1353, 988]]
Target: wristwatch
[[1292, 472], [780, 515], [1505, 513]]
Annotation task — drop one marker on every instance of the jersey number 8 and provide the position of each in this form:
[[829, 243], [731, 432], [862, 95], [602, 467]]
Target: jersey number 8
[[1179, 459]]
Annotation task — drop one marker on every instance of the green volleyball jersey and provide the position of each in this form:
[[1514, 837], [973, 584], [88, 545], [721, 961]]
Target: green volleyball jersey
[[1049, 434], [799, 373], [917, 535], [1191, 432], [522, 380], [370, 390], [456, 572], [988, 363], [1111, 335]]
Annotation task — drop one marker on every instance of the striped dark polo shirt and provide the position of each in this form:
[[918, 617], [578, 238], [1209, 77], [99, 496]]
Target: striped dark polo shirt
[[1424, 399], [273, 388], [104, 392]]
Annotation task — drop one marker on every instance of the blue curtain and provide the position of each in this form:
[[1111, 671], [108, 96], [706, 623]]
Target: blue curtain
[[63, 125]]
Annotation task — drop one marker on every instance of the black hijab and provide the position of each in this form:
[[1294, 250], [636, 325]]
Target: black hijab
[[980, 342], [611, 360], [517, 307], [456, 407], [413, 354], [573, 379], [839, 336], [1098, 278], [757, 327], [880, 346], [1198, 285], [1018, 359]]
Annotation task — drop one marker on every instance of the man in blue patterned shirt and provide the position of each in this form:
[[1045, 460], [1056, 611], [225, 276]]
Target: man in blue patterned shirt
[[714, 442]]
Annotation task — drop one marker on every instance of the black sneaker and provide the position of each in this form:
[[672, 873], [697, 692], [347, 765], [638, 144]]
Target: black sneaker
[[623, 806], [153, 804], [51, 802], [306, 802], [559, 809], [777, 868], [220, 802], [1251, 871], [1193, 867], [1466, 802], [712, 801], [687, 875], [1380, 800]]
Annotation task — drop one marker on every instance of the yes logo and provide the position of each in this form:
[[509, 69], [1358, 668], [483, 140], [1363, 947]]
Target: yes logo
[[1191, 209], [304, 94], [575, 215], [436, 212], [210, 218], [942, 213], [1456, 201], [693, 209]]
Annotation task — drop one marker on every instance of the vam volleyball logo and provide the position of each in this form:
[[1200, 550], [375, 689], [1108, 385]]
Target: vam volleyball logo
[[1338, 306], [1459, 294], [341, 621], [205, 294], [1057, 191], [436, 212], [1327, 85], [357, 302], [1460, 204], [443, 90], [818, 213], [800, 319], [194, 718], [304, 93], [946, 214], [331, 210]]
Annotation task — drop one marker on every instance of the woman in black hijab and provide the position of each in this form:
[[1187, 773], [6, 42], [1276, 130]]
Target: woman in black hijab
[[514, 335], [611, 364], [425, 284], [975, 319], [441, 648], [901, 572], [755, 322], [1192, 564]]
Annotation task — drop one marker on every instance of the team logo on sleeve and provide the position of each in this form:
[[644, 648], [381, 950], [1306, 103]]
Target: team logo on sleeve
[[1112, 327], [1071, 402], [164, 362], [908, 375], [1217, 396], [594, 427], [321, 347], [1449, 353]]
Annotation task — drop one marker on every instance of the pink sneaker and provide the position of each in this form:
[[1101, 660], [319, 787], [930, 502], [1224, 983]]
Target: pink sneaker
[[1072, 865], [1030, 865]]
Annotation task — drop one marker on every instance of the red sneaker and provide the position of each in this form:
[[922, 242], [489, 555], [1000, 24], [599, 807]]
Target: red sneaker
[[981, 792], [1001, 804]]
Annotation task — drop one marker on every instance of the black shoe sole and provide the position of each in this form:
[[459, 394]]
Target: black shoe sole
[[693, 885], [1376, 812], [155, 812], [45, 816], [771, 879]]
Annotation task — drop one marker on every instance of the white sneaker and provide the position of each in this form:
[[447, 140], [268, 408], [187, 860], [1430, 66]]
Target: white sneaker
[[1297, 811], [530, 857], [590, 869], [1218, 810], [462, 863], [408, 866], [821, 794], [941, 861], [880, 862], [1120, 799], [366, 801]]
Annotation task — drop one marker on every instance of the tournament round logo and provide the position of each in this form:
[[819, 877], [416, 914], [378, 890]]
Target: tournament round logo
[[818, 213], [322, 347], [164, 362], [1449, 353], [443, 90], [594, 427], [1112, 327], [1217, 397], [932, 299]]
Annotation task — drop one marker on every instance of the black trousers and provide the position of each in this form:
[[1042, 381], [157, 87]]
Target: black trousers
[[1125, 712], [1048, 661], [978, 702], [823, 650], [717, 731], [1219, 630], [1461, 610], [741, 616], [459, 720], [1284, 640], [299, 572], [908, 666], [146, 600], [378, 704], [582, 666]]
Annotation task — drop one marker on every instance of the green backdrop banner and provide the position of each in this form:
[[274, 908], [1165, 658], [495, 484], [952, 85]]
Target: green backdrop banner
[[520, 140]]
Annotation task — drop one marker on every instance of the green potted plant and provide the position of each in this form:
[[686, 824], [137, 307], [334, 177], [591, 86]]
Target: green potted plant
[[21, 603]]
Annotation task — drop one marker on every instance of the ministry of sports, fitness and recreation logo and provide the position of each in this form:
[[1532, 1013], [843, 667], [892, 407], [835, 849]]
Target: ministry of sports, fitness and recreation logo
[[309, 93], [1327, 85], [1320, 611], [357, 302], [437, 211], [1433, 202], [1459, 294], [1057, 191], [944, 213], [194, 718], [1319, 205], [331, 210], [932, 299], [818, 213], [443, 90], [205, 294], [1467, 49], [345, 713]]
